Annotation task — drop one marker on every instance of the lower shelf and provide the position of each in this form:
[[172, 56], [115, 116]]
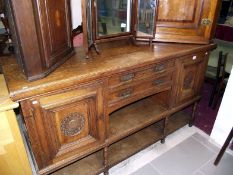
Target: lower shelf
[[132, 144], [176, 121], [134, 117], [92, 164]]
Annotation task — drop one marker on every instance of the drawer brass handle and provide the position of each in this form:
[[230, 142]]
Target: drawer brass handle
[[127, 77], [159, 67], [158, 82], [126, 93], [206, 22]]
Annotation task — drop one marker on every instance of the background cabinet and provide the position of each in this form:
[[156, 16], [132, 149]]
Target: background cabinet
[[186, 21], [41, 33]]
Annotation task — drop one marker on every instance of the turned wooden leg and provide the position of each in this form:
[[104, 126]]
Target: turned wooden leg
[[164, 130], [106, 161], [193, 115]]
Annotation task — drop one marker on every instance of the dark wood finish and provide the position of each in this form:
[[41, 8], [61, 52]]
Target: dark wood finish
[[77, 111], [186, 21], [46, 44]]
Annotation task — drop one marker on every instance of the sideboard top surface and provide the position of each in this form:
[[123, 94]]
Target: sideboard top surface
[[115, 57]]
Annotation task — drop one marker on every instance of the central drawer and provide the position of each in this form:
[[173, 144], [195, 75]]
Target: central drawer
[[136, 75], [125, 94]]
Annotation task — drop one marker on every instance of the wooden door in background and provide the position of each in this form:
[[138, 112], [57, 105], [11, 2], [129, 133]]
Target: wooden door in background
[[187, 21]]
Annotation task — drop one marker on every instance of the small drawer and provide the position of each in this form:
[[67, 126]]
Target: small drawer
[[139, 74], [195, 57], [162, 67], [126, 92]]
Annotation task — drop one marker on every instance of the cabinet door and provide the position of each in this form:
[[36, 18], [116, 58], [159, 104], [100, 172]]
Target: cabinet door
[[185, 21], [55, 25], [191, 71], [65, 126]]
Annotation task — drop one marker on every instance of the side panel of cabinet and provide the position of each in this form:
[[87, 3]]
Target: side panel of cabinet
[[65, 126], [191, 72], [25, 35], [190, 21]]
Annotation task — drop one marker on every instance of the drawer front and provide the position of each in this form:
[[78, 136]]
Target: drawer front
[[194, 58], [64, 124], [139, 74], [128, 93]]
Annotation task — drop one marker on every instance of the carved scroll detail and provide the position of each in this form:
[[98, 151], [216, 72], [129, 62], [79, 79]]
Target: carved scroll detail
[[72, 124]]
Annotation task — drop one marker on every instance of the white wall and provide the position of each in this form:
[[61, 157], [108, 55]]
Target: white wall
[[76, 13], [224, 121]]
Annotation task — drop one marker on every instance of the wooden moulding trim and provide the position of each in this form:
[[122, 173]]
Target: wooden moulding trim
[[102, 40], [180, 107], [115, 139], [23, 94], [68, 161], [5, 102], [47, 72]]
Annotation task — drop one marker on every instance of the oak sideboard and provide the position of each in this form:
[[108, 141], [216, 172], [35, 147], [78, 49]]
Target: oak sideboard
[[90, 114]]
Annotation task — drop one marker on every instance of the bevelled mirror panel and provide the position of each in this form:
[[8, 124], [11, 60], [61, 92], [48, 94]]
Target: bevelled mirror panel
[[146, 15], [113, 17], [89, 21]]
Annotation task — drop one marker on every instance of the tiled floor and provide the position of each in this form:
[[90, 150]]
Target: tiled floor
[[186, 152]]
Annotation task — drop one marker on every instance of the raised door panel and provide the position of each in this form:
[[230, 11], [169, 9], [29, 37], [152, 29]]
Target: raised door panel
[[191, 76], [190, 21], [65, 126], [55, 24]]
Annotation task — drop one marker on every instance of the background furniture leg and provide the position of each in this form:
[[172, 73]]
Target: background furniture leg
[[193, 115], [224, 147]]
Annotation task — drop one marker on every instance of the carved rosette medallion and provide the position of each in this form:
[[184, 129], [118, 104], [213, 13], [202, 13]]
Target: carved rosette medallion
[[72, 124]]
